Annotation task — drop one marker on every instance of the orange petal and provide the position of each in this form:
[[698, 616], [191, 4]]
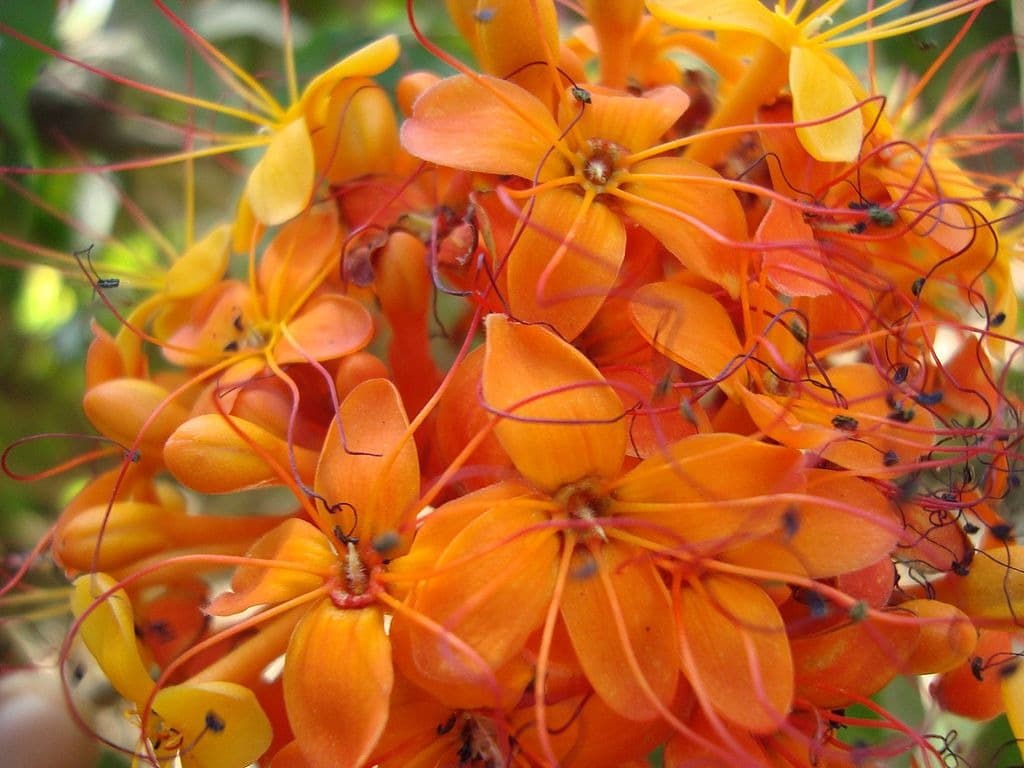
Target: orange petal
[[483, 124], [565, 262], [109, 634], [337, 684], [511, 34], [630, 122], [820, 86], [207, 454], [668, 195], [372, 59], [293, 541], [795, 271], [494, 562], [296, 258], [642, 602], [330, 326], [121, 408], [972, 693], [735, 651], [992, 591], [843, 664], [688, 491], [854, 525], [564, 421], [281, 183], [370, 465], [946, 640], [688, 326], [221, 724]]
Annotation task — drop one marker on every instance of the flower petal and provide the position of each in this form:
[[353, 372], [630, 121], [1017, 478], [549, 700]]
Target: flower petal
[[201, 266], [369, 464], [628, 121], [337, 683], [688, 490], [795, 271], [293, 541], [688, 326], [735, 651], [992, 591], [721, 15], [280, 185], [700, 220], [330, 326], [483, 124], [565, 262], [564, 422], [642, 602], [504, 557], [109, 634], [207, 454], [221, 724], [819, 92]]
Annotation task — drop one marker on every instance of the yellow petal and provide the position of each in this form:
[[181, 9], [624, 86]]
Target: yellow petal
[[109, 634], [720, 15], [281, 183], [221, 724], [819, 93], [201, 266]]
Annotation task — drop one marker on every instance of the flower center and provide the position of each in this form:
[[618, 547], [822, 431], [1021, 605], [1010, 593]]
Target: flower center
[[600, 161], [583, 502]]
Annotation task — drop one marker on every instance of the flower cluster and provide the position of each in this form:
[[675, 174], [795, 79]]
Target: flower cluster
[[618, 402]]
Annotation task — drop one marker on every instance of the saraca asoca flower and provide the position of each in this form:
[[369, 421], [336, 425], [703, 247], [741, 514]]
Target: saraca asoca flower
[[606, 402]]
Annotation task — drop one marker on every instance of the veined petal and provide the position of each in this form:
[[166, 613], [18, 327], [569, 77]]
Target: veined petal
[[563, 422], [798, 270], [645, 609], [337, 684], [667, 194], [482, 124], [688, 490], [735, 651], [722, 15], [296, 258], [514, 33], [565, 262], [221, 724], [293, 541], [631, 122], [280, 185], [109, 634], [330, 326], [688, 326], [829, 540], [366, 464], [819, 93], [494, 562]]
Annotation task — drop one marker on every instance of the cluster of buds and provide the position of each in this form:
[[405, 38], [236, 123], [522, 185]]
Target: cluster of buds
[[612, 404]]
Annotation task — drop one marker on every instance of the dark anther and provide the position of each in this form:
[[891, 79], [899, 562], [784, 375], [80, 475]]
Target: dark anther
[[1002, 531], [231, 346], [970, 528], [928, 398], [890, 458], [446, 726], [213, 722], [133, 456], [1008, 669], [917, 286], [960, 569], [902, 415], [237, 322], [977, 667], [900, 374], [997, 319], [845, 423]]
